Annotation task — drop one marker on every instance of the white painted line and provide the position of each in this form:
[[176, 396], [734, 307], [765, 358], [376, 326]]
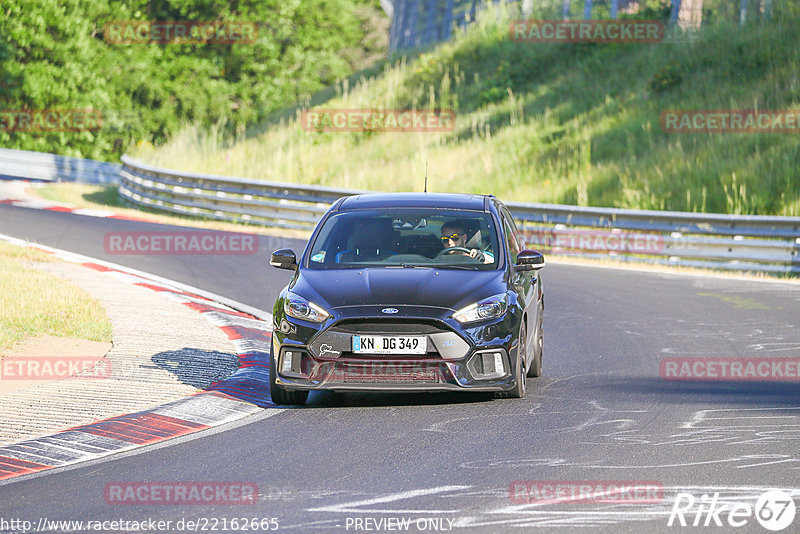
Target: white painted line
[[244, 346], [221, 319], [351, 507], [35, 204], [207, 409], [77, 440], [93, 213]]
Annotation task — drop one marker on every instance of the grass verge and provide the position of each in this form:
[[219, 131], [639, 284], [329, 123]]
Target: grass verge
[[33, 303]]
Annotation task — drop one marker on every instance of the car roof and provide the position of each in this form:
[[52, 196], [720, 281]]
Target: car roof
[[415, 200]]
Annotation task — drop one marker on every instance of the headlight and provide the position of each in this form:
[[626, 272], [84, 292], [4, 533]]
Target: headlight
[[489, 308], [300, 308]]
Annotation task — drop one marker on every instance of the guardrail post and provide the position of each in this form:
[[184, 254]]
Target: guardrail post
[[411, 31], [527, 9], [765, 16], [396, 27], [430, 37], [448, 20], [673, 15]]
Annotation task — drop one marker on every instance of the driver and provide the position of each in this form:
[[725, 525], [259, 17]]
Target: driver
[[453, 235]]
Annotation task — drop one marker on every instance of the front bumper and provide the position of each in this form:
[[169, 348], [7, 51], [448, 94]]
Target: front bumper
[[453, 362], [395, 375]]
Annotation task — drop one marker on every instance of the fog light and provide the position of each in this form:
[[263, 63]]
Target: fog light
[[498, 363], [286, 363], [291, 363], [487, 365]]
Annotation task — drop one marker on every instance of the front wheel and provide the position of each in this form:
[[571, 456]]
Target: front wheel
[[280, 395], [535, 369], [518, 391]]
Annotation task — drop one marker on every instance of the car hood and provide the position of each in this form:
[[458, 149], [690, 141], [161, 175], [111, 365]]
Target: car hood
[[443, 288]]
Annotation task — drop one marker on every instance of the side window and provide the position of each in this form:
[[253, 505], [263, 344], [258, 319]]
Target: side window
[[517, 234], [511, 240]]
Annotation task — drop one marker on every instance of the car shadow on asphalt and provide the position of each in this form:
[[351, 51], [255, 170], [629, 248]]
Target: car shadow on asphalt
[[195, 367], [729, 392], [352, 399]]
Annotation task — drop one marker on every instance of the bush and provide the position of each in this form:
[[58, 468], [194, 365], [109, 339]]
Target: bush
[[54, 55]]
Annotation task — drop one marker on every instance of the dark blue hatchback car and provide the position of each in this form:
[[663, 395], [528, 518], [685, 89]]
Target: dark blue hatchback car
[[409, 292]]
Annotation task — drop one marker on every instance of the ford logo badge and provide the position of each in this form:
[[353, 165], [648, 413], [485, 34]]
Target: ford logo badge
[[389, 310]]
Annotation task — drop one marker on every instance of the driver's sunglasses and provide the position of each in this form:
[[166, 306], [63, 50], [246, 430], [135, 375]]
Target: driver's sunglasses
[[454, 237]]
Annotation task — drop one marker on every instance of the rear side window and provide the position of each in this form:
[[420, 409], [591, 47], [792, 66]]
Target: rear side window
[[511, 241]]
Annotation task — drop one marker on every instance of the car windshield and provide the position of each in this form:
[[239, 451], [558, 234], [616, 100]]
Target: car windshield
[[406, 237]]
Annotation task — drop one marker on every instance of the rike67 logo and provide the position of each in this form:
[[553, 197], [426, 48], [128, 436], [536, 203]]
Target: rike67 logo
[[774, 510]]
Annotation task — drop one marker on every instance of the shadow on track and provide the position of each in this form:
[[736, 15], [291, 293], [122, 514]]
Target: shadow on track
[[750, 394]]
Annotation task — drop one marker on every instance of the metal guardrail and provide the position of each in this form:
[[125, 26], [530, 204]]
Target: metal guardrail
[[226, 198], [734, 242], [29, 165], [417, 23], [420, 23]]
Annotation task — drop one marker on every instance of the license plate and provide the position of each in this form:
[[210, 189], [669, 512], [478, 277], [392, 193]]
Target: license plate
[[390, 344]]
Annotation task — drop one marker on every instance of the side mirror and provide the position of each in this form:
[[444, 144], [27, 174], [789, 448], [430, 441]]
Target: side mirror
[[529, 260], [283, 259]]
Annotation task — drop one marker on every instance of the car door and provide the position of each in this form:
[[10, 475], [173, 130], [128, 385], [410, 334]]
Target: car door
[[524, 282]]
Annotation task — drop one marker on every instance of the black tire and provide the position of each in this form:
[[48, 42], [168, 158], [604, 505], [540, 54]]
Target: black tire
[[535, 369], [518, 392], [280, 395]]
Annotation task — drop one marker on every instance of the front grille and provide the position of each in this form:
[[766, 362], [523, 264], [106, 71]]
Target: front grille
[[386, 373], [387, 326]]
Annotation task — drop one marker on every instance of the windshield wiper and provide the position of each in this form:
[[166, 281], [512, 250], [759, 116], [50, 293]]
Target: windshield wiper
[[431, 266], [454, 266]]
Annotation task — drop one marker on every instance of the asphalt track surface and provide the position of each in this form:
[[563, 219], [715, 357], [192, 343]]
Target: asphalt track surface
[[601, 412]]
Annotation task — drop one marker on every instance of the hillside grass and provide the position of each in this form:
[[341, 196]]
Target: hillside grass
[[563, 123]]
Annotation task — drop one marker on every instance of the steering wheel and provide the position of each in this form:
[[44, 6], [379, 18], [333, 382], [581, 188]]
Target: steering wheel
[[448, 250]]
